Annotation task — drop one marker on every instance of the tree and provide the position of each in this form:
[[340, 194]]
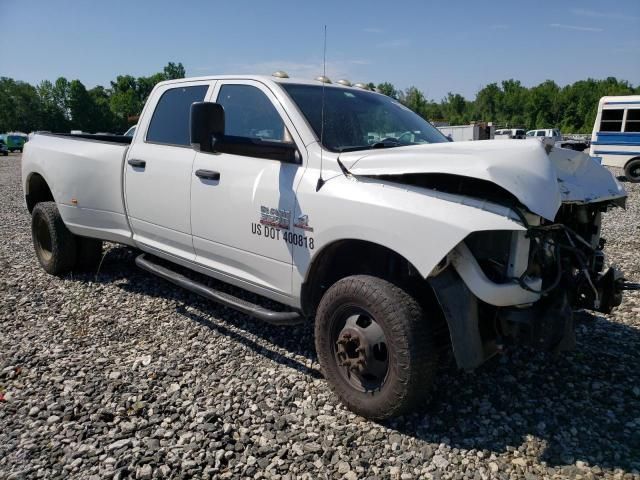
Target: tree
[[125, 101], [129, 94], [103, 118], [63, 104], [80, 107], [54, 115], [488, 102], [173, 71], [454, 108], [20, 107], [414, 99], [388, 89], [514, 104]]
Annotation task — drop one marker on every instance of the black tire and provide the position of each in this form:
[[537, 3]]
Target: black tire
[[20, 150], [54, 244], [632, 170], [88, 254], [410, 353]]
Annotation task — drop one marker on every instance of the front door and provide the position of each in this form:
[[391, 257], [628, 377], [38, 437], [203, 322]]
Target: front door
[[242, 222], [158, 171]]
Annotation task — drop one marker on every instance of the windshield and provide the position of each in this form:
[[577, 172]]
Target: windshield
[[358, 120]]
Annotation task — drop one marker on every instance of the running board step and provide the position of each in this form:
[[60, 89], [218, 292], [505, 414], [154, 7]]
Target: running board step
[[256, 311]]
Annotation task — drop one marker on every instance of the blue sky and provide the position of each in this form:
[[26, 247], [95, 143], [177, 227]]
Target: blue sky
[[437, 46]]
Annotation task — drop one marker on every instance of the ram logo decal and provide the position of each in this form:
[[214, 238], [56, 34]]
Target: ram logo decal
[[275, 217]]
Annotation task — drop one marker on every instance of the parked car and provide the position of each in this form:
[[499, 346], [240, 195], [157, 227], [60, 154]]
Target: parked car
[[393, 248], [616, 134], [506, 133], [15, 142], [551, 134], [4, 151]]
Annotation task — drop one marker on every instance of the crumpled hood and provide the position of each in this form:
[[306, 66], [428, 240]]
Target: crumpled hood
[[540, 181]]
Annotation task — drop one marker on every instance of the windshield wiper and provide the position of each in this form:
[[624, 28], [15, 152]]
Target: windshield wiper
[[353, 149], [368, 147], [387, 144]]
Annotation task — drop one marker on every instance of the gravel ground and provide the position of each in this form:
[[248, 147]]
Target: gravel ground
[[120, 375]]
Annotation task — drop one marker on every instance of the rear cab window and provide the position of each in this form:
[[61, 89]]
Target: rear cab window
[[169, 124]]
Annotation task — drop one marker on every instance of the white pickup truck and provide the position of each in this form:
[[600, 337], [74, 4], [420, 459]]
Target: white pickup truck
[[345, 208]]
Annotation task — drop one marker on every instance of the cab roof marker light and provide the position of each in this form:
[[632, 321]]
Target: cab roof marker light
[[361, 85], [344, 82], [323, 79], [280, 74]]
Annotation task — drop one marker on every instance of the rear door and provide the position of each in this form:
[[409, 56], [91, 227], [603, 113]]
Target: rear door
[[158, 170], [243, 221]]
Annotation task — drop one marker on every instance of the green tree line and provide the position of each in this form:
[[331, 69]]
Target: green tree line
[[571, 108], [66, 105]]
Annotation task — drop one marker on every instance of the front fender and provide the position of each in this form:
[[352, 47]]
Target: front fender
[[421, 225]]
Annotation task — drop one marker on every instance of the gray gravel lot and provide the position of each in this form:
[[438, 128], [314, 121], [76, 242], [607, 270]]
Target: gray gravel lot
[[120, 375]]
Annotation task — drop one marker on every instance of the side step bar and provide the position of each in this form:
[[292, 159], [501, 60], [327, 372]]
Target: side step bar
[[256, 311]]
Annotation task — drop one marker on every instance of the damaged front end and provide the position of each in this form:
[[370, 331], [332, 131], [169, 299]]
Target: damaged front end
[[518, 286], [522, 288]]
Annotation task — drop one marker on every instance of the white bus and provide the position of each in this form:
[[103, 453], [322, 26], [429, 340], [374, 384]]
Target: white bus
[[616, 134]]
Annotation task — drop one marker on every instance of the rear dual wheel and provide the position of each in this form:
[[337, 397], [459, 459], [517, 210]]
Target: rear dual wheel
[[58, 250], [374, 346]]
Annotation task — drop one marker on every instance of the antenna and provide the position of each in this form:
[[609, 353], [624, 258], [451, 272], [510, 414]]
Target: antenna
[[324, 74]]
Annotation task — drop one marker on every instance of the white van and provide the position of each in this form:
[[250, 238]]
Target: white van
[[616, 134]]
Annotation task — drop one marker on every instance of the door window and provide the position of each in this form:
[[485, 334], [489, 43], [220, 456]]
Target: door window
[[170, 122], [249, 113], [540, 133]]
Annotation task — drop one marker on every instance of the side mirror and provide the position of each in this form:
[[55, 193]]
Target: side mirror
[[206, 124]]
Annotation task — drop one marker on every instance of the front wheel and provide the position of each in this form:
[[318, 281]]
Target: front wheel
[[632, 170], [374, 346]]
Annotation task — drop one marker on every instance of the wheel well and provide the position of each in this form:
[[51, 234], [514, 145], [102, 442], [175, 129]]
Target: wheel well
[[344, 258], [37, 191]]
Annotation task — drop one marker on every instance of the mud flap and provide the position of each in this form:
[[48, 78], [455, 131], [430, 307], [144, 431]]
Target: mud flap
[[460, 308]]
